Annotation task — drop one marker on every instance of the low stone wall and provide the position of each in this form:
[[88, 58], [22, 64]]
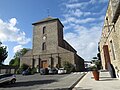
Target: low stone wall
[[8, 69]]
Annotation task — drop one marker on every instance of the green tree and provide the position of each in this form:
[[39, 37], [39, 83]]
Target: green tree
[[3, 53], [21, 52], [16, 60], [94, 58]]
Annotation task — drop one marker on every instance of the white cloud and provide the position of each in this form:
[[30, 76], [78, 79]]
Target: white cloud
[[83, 22], [77, 21], [83, 26], [75, 5], [76, 13], [7, 60], [13, 21], [84, 40], [93, 1], [103, 1], [9, 32], [98, 1], [87, 13], [71, 1], [17, 48]]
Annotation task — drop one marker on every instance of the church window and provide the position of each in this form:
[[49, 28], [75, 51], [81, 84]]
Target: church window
[[112, 49], [44, 30], [44, 46]]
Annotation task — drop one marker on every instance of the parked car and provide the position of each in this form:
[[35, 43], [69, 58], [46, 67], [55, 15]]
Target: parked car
[[44, 71], [61, 71], [27, 71], [11, 78], [53, 70]]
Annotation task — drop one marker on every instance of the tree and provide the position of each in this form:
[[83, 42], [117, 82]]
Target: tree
[[99, 56], [16, 60], [95, 58], [21, 52], [3, 53]]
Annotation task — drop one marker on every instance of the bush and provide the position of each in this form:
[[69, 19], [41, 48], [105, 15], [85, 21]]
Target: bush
[[33, 71], [22, 68], [25, 67], [19, 71], [68, 66], [98, 63]]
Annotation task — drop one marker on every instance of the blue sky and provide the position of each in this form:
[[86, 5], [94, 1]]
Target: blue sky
[[82, 20]]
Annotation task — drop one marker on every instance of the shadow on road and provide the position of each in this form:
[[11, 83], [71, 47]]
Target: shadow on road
[[80, 88], [27, 83]]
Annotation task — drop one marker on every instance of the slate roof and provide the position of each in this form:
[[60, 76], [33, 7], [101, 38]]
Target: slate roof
[[47, 20]]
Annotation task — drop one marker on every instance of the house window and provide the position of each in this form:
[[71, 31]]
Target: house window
[[112, 49], [44, 30], [108, 24], [44, 46]]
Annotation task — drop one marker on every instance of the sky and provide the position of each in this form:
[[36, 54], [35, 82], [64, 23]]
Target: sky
[[82, 19]]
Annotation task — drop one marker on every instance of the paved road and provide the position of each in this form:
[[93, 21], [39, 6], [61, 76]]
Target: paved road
[[31, 82]]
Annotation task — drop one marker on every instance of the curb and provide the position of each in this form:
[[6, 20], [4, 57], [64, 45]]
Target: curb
[[76, 82]]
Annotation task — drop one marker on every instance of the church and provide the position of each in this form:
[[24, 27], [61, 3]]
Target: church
[[49, 49]]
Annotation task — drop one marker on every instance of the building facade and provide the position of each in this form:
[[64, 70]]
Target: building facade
[[110, 39], [49, 49]]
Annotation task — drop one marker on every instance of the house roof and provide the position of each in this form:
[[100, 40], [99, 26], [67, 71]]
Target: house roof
[[47, 20]]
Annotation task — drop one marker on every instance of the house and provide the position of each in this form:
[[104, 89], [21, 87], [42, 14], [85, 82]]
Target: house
[[110, 39]]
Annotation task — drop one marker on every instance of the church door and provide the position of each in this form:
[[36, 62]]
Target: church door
[[44, 64]]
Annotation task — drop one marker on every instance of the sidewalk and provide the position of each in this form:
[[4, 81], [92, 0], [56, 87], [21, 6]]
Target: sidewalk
[[105, 82]]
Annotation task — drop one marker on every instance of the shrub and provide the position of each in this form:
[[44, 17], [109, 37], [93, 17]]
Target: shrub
[[33, 71], [93, 67], [26, 67], [98, 63], [68, 66], [19, 71], [22, 68]]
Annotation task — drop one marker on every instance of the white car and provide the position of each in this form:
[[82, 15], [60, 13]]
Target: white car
[[7, 78], [61, 71]]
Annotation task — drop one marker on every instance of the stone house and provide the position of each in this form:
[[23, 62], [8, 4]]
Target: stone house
[[49, 48], [110, 39]]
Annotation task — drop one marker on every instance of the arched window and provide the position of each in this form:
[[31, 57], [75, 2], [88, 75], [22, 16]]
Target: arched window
[[44, 30], [44, 46]]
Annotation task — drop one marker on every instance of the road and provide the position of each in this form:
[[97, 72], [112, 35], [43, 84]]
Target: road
[[31, 82]]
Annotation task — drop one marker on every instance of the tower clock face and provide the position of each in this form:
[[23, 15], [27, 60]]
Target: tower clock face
[[44, 37]]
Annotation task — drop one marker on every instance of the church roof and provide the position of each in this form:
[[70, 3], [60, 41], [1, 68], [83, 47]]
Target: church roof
[[49, 18]]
